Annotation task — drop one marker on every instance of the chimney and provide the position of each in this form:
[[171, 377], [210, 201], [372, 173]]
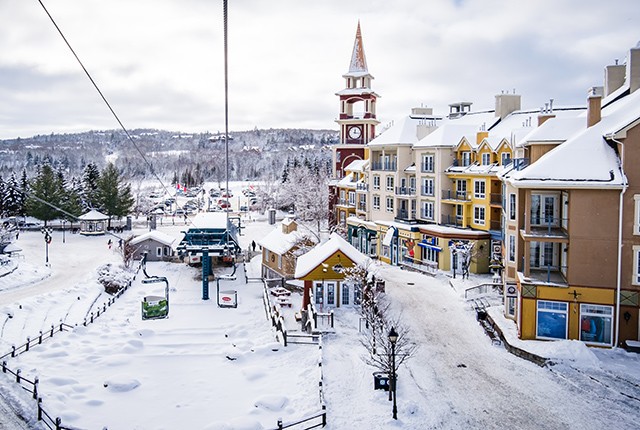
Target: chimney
[[633, 68], [546, 113], [613, 77], [480, 136], [594, 106], [506, 104]]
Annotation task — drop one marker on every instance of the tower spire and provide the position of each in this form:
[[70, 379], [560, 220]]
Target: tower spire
[[358, 60]]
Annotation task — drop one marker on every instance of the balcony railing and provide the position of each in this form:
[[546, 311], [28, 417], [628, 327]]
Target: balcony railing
[[427, 167], [520, 163], [546, 225], [495, 199], [405, 191], [427, 191], [404, 214], [385, 166], [362, 207], [362, 186], [455, 221], [455, 195]]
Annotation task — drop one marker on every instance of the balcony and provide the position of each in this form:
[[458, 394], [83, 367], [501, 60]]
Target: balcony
[[362, 207], [405, 191], [495, 199], [406, 215], [458, 196], [427, 216], [542, 228], [519, 163], [345, 202], [455, 221], [360, 186], [384, 166], [427, 191]]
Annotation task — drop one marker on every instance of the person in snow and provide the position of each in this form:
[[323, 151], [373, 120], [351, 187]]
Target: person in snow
[[109, 243], [253, 245]]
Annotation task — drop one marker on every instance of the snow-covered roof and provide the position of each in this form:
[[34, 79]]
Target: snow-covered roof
[[210, 220], [354, 220], [279, 242], [156, 235], [312, 259], [449, 134], [403, 132], [451, 231], [93, 215], [586, 159], [357, 166], [12, 247], [556, 129]]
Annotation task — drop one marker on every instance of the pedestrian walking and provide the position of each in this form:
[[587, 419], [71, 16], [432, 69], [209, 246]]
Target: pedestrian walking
[[109, 243], [253, 245]]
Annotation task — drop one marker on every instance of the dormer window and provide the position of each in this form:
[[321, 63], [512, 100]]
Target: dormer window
[[486, 159], [466, 158]]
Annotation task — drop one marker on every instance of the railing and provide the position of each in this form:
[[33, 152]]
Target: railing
[[519, 163], [482, 290], [427, 191], [455, 195], [495, 225], [461, 162], [495, 199], [405, 214], [428, 267], [385, 166], [362, 186], [455, 221], [32, 386], [405, 191], [362, 207], [546, 223]]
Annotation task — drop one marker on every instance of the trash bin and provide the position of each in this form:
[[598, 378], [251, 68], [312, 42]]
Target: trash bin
[[380, 381]]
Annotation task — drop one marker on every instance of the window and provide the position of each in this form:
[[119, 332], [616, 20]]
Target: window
[[280, 260], [511, 306], [376, 202], [478, 215], [167, 251], [466, 158], [479, 189], [461, 189], [159, 251], [427, 187], [636, 265], [345, 294], [343, 218], [552, 320], [596, 324], [389, 180], [386, 251], [512, 206], [319, 294], [389, 204], [486, 158], [636, 214], [352, 198], [512, 248], [343, 195], [357, 294], [544, 209], [543, 254], [505, 158], [427, 163], [427, 210], [376, 182]]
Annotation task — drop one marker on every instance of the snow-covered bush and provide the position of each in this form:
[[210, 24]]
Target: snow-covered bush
[[113, 278]]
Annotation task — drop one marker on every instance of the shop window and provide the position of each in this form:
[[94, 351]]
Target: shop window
[[511, 306], [319, 294], [596, 324], [331, 294], [551, 320]]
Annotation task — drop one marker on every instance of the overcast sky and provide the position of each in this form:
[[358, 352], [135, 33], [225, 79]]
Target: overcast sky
[[160, 62]]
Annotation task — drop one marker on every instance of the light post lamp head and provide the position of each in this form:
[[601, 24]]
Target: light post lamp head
[[393, 336]]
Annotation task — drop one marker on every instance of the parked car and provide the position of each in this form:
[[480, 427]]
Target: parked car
[[244, 209], [223, 204]]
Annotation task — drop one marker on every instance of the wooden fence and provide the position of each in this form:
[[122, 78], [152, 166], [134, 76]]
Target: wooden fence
[[32, 386]]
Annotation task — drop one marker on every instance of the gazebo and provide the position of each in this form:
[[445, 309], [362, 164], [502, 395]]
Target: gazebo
[[93, 223]]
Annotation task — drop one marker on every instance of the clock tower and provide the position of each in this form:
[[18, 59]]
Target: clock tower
[[357, 118]]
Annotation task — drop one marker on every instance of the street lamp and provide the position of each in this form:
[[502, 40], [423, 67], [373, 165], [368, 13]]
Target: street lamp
[[63, 225], [393, 338], [47, 240]]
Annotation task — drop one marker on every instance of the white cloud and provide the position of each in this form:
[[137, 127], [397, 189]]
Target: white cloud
[[160, 62]]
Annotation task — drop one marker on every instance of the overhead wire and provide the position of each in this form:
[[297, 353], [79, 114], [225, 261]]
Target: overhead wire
[[106, 102]]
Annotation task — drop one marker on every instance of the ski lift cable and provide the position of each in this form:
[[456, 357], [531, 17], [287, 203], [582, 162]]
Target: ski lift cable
[[106, 102]]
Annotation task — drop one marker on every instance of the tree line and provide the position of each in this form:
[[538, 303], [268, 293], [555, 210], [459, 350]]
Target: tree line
[[52, 194]]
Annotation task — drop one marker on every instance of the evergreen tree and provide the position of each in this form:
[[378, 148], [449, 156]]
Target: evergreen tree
[[2, 197], [44, 187], [72, 200], [115, 196], [90, 179], [24, 190], [12, 193]]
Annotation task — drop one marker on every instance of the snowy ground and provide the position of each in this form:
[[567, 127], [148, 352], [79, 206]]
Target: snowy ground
[[211, 368]]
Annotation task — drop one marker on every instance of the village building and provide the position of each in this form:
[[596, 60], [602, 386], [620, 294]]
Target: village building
[[93, 223], [322, 270], [156, 245]]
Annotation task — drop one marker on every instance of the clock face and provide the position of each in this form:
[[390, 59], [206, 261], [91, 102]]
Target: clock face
[[355, 132]]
